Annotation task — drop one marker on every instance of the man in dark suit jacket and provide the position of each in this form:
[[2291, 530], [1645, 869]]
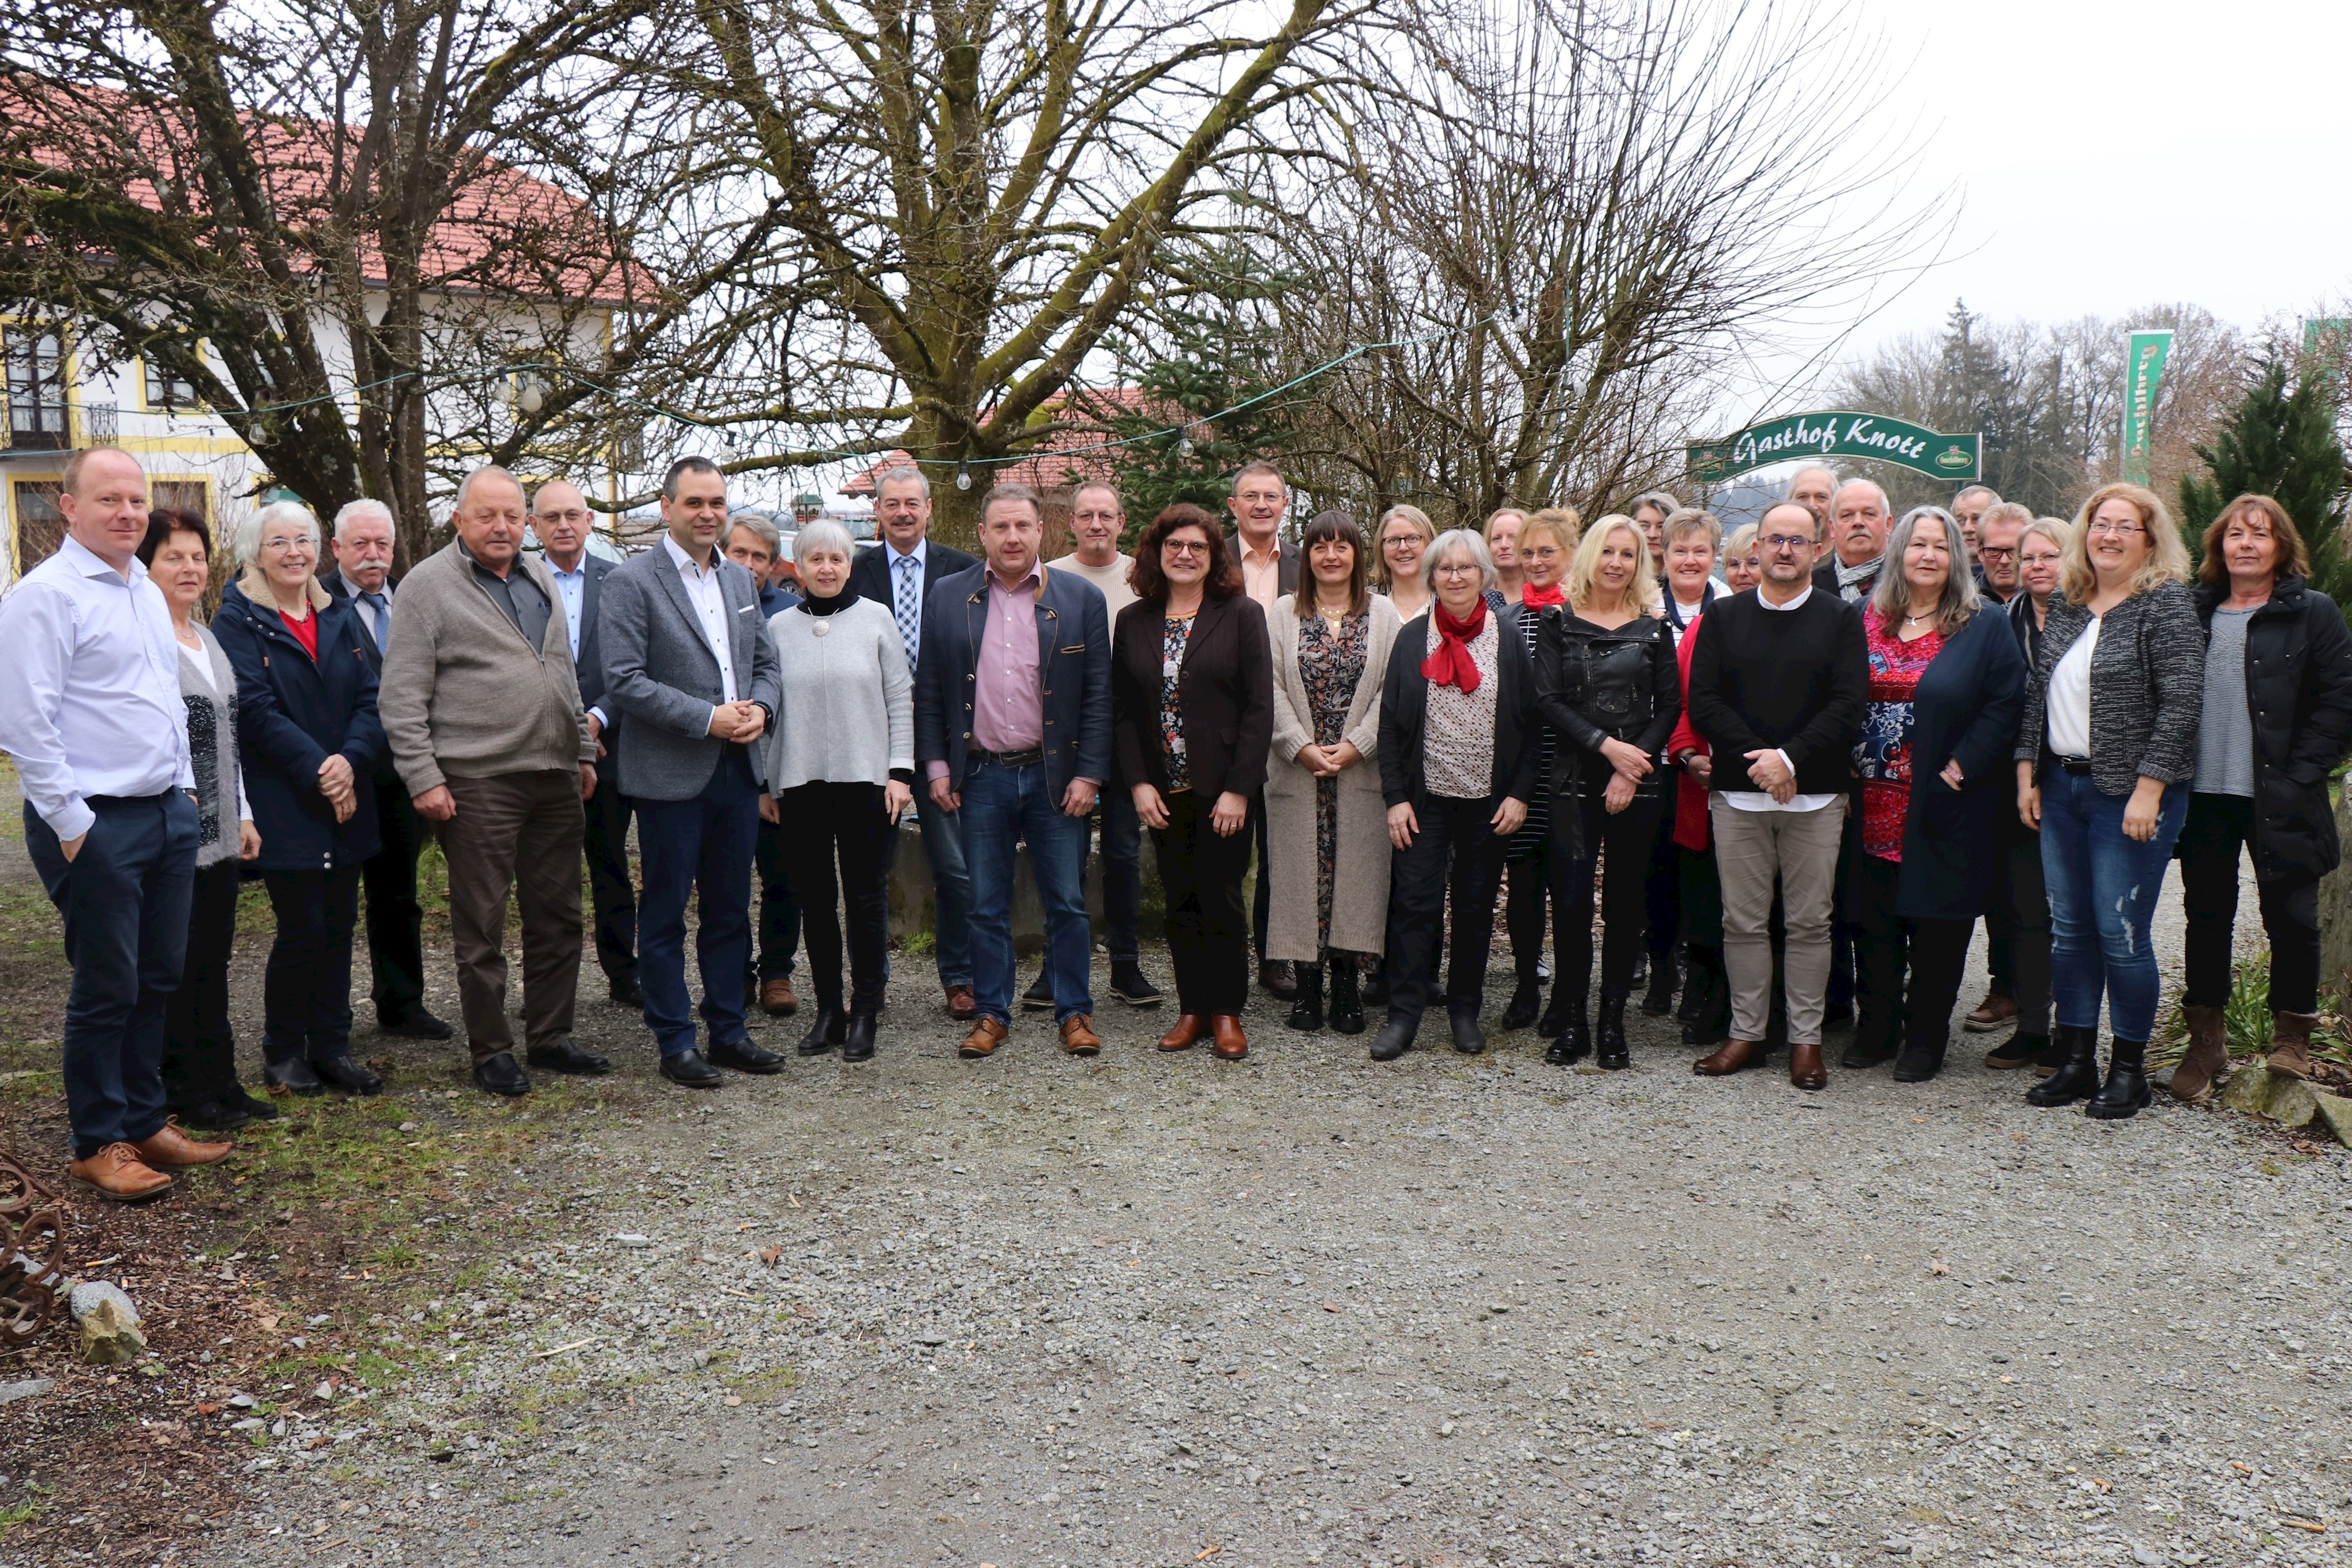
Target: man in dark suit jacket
[[362, 577], [899, 574], [1012, 729], [690, 667], [560, 520]]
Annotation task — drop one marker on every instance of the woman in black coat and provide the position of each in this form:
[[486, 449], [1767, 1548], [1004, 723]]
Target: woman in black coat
[[2276, 720], [307, 731], [1192, 672], [1459, 747]]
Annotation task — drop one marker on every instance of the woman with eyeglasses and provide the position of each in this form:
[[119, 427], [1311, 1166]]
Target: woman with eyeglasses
[[1401, 573], [308, 730], [2040, 552], [2104, 763], [1741, 571], [2276, 720]]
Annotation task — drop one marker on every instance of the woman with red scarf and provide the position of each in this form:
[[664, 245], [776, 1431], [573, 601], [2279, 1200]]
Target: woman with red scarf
[[1458, 750]]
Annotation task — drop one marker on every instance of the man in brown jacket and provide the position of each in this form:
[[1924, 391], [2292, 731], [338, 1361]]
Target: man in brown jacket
[[481, 704]]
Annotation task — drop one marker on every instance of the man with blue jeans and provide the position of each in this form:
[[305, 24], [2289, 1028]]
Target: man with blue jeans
[[690, 667], [1013, 730], [90, 709]]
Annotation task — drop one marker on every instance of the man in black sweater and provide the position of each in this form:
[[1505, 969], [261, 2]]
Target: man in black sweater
[[1779, 684]]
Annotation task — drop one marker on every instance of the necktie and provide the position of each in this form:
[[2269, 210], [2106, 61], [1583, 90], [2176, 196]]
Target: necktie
[[907, 602], [379, 618]]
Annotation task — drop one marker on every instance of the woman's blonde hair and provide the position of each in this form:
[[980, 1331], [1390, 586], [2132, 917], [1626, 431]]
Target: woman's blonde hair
[[1487, 529], [2167, 557], [1739, 542], [1383, 578], [1566, 518], [1892, 595], [1643, 590], [1557, 523]]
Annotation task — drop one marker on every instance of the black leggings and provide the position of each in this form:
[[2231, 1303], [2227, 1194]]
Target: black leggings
[[199, 1046], [1662, 886], [819, 824], [1936, 953], [2210, 841], [1529, 876], [1200, 872], [1628, 837]]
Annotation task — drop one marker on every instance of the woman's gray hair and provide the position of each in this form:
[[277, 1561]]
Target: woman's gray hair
[[1892, 595], [1459, 541], [249, 532], [823, 534]]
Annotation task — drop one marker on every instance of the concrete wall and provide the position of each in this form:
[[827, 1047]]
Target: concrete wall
[[913, 909]]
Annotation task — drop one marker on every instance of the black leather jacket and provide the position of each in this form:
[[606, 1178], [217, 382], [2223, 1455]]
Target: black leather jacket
[[1594, 684]]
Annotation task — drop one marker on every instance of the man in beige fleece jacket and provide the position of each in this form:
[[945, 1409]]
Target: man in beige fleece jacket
[[482, 707]]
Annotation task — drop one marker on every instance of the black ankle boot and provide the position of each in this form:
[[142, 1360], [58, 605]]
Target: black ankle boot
[[1526, 1001], [1573, 1041], [1468, 1038], [1659, 1000], [1347, 1006], [292, 1074], [1395, 1037], [2077, 1077], [1696, 977], [1613, 1052], [1307, 1005], [2126, 1087], [1555, 1013], [1919, 1061], [857, 1039], [831, 1028]]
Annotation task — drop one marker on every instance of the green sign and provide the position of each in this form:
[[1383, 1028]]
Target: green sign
[[1837, 434], [2143, 371]]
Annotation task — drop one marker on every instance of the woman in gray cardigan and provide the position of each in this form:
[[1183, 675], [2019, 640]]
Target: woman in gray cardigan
[[840, 769], [199, 1047]]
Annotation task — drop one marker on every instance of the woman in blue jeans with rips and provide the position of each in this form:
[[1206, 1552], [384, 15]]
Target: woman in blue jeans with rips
[[2105, 760]]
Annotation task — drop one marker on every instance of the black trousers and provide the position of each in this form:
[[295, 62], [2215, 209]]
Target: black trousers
[[2029, 931], [1935, 952], [1627, 881], [1529, 876], [2001, 914], [1201, 874], [779, 936], [1662, 886], [395, 922], [1456, 851], [2209, 843], [825, 826], [199, 1045], [306, 992], [612, 895]]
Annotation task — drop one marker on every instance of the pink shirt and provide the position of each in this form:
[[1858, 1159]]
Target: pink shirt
[[1261, 573], [1008, 709]]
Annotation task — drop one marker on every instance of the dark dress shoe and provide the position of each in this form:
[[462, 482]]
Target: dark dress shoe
[[858, 1042], [628, 994], [1526, 1001], [211, 1115], [1128, 985], [1736, 1056], [689, 1069], [346, 1074], [254, 1108], [2019, 1051], [831, 1028], [963, 1006], [1039, 997], [414, 1023], [1805, 1069], [565, 1056], [292, 1076], [1917, 1065], [501, 1074], [1468, 1038], [1865, 1054], [1277, 978], [1395, 1037], [744, 1057]]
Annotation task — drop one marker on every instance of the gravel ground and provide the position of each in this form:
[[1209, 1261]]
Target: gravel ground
[[1308, 1309]]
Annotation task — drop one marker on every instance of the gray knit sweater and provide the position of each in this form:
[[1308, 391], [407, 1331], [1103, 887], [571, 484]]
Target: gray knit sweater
[[2148, 687], [848, 713]]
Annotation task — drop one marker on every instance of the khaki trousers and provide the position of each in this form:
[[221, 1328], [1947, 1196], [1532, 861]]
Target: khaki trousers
[[1801, 850], [526, 829]]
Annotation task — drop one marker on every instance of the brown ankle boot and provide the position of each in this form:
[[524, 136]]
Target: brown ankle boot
[[2290, 1043], [2209, 1053]]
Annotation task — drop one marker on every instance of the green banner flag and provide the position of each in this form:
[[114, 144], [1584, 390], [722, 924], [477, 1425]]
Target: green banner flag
[[1837, 434], [2142, 371]]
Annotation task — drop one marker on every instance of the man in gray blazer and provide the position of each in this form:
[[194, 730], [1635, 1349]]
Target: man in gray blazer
[[690, 678]]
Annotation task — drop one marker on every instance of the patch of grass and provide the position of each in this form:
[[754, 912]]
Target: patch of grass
[[917, 943], [2246, 1021], [766, 1385], [23, 1513]]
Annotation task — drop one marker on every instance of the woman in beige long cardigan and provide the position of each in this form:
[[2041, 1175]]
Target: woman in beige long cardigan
[[1326, 824]]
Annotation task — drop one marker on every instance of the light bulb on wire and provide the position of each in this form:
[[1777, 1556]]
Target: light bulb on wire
[[963, 475]]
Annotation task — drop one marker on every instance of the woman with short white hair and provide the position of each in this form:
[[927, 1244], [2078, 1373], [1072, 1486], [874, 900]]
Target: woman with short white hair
[[840, 772]]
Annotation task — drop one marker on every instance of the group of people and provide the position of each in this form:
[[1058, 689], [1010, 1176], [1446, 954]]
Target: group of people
[[1772, 763]]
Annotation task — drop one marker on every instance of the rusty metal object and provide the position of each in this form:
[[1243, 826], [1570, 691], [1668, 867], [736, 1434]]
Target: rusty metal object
[[32, 1253]]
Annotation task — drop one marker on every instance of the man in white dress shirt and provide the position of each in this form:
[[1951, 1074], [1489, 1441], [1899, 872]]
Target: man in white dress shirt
[[90, 709]]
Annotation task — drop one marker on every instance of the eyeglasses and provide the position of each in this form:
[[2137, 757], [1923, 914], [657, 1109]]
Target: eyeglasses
[[1458, 569], [1182, 546], [2112, 529], [1785, 541], [286, 547], [1993, 552]]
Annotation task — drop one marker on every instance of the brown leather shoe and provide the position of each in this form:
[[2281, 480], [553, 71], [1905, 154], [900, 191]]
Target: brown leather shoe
[[2291, 1050], [2209, 1053], [1232, 1043], [1805, 1069], [1992, 1013], [776, 999], [986, 1035], [169, 1146], [117, 1173], [961, 1004], [1732, 1055], [1078, 1036], [1189, 1026]]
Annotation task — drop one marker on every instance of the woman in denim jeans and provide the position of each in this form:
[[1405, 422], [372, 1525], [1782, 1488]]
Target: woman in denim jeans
[[2104, 760]]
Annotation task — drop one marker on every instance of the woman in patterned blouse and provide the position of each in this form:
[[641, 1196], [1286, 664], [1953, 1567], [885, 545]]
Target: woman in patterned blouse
[[1946, 685]]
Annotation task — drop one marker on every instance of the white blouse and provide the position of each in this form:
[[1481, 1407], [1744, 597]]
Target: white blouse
[[2069, 700]]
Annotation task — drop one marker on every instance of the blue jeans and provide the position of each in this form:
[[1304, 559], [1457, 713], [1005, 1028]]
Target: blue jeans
[[1002, 806], [1122, 854], [699, 846], [2103, 893], [943, 835], [125, 899]]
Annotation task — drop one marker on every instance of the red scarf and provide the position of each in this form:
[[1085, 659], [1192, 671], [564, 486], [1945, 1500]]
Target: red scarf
[[1449, 663], [1542, 597]]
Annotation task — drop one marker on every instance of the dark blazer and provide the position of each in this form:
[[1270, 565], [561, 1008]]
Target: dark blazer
[[1285, 571], [1224, 693], [1073, 664], [293, 713], [1964, 709], [385, 773], [2299, 694], [2148, 687], [1404, 713], [661, 679], [869, 575], [590, 665]]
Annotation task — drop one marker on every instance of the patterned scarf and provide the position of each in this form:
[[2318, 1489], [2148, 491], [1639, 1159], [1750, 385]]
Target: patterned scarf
[[1450, 664], [1853, 581]]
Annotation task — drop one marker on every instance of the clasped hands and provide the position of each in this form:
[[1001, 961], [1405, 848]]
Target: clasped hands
[[742, 721]]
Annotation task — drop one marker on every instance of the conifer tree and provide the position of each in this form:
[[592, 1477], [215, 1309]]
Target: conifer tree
[[2280, 442]]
